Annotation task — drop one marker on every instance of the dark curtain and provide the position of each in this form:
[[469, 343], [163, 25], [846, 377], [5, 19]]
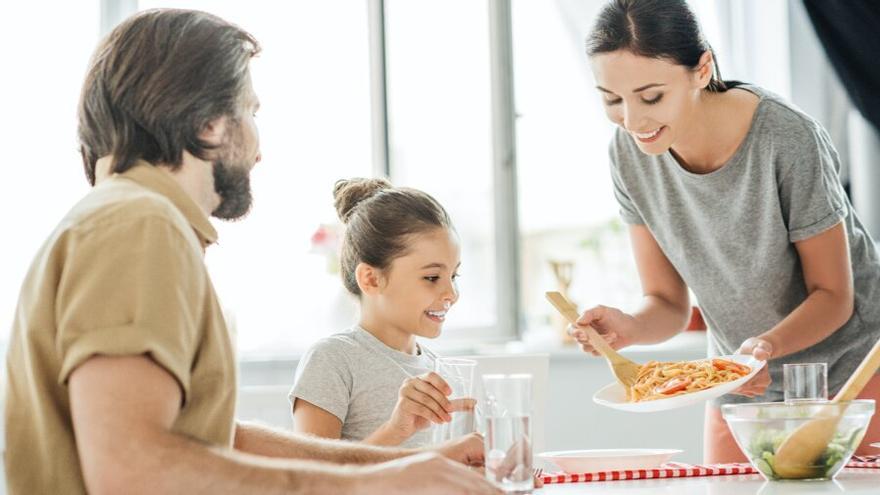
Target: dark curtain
[[850, 33]]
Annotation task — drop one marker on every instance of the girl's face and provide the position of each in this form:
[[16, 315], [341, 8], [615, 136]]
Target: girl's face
[[418, 288], [652, 99]]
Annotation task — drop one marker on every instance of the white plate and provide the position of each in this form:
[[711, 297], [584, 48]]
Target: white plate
[[614, 395], [603, 460]]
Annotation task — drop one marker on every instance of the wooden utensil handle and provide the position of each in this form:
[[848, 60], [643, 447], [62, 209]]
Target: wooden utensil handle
[[567, 310], [860, 377]]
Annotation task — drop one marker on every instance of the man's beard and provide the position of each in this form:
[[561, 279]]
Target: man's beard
[[232, 180], [233, 184]]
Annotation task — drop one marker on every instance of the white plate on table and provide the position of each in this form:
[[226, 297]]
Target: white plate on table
[[603, 460], [614, 395]]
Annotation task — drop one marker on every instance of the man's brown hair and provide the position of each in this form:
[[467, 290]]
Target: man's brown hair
[[155, 82]]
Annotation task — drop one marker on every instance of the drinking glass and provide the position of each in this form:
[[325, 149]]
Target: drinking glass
[[459, 374], [507, 410], [805, 382]]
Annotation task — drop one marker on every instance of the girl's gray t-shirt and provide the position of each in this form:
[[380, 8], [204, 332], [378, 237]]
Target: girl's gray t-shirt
[[730, 233], [356, 377]]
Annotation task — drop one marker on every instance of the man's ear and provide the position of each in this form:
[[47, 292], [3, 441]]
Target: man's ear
[[213, 131], [705, 69], [369, 278]]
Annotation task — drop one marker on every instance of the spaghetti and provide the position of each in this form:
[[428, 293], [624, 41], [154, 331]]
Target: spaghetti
[[658, 380]]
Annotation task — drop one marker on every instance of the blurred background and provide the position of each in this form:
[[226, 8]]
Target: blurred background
[[487, 105]]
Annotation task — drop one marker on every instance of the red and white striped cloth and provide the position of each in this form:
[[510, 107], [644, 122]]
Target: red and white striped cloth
[[864, 461], [680, 470]]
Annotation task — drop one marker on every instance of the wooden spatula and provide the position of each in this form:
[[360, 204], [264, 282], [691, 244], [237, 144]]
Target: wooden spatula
[[796, 457], [624, 370]]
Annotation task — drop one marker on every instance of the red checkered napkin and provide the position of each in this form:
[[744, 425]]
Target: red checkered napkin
[[681, 470], [668, 470]]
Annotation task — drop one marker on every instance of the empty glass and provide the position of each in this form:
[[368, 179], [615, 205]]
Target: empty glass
[[805, 382], [459, 374], [508, 437]]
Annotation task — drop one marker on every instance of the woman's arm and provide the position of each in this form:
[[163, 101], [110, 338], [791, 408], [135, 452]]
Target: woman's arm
[[312, 420], [830, 294], [666, 305]]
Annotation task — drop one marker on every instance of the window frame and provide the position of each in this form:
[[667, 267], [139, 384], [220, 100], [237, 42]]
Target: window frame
[[508, 318]]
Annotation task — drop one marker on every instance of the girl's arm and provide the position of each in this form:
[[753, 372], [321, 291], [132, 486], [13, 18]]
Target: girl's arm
[[422, 400], [830, 300], [312, 420]]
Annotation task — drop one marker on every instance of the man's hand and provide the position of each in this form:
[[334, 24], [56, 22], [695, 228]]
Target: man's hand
[[467, 450], [426, 473]]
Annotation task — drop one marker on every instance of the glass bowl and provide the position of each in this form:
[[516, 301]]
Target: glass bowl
[[760, 429]]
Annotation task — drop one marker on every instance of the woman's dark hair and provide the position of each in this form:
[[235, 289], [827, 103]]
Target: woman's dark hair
[[664, 29], [378, 220], [155, 82]]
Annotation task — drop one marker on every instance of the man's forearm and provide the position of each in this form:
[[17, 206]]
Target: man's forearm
[[169, 463], [264, 441]]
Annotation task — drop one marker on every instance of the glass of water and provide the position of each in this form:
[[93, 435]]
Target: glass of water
[[805, 382], [507, 410], [459, 374]]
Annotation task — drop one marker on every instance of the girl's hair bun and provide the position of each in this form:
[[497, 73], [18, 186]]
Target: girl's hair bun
[[348, 193]]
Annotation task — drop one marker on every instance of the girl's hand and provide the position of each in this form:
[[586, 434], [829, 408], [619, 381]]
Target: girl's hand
[[421, 402], [612, 324], [762, 350]]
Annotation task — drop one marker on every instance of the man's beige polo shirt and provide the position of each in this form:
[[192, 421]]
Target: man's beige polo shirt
[[122, 274]]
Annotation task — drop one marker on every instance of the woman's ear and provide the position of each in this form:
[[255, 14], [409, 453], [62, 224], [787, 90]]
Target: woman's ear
[[369, 278], [705, 69]]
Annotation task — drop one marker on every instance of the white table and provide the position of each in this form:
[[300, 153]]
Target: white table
[[863, 481]]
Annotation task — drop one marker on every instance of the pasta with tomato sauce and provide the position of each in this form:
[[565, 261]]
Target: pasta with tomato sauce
[[658, 380]]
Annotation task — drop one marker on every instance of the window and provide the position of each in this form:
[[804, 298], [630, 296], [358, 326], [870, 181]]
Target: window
[[313, 82], [313, 78], [568, 214], [440, 136], [38, 129]]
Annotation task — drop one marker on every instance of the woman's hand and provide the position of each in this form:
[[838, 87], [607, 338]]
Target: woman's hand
[[422, 400], [761, 350], [613, 325]]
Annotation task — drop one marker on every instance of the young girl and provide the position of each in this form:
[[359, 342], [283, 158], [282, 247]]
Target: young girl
[[372, 383], [732, 192]]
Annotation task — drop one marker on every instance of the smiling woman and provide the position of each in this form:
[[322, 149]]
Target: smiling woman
[[732, 193]]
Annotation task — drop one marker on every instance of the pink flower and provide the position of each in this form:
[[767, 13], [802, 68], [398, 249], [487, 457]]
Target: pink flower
[[325, 239]]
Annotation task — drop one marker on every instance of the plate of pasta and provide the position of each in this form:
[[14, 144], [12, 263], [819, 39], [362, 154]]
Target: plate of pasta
[[669, 385]]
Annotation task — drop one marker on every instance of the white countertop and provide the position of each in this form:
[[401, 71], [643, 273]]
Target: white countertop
[[865, 481]]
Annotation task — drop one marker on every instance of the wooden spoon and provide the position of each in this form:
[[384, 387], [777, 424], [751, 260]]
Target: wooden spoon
[[624, 370], [796, 457]]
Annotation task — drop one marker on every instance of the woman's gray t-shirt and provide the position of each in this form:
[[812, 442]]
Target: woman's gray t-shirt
[[356, 377], [730, 233]]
